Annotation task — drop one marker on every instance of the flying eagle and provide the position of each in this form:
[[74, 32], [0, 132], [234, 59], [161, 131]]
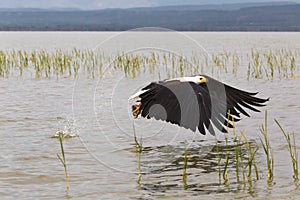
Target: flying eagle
[[195, 102]]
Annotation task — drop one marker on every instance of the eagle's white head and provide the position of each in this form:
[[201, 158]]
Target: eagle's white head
[[199, 79], [196, 79]]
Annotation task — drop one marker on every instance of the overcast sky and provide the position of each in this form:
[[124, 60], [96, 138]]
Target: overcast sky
[[101, 4]]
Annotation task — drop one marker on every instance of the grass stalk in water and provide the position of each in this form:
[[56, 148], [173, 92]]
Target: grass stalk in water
[[184, 177], [237, 150], [292, 149], [267, 149], [138, 145], [251, 159], [138, 150], [225, 172], [63, 159], [219, 161]]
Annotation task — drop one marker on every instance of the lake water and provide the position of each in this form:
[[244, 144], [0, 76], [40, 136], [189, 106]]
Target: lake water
[[102, 162]]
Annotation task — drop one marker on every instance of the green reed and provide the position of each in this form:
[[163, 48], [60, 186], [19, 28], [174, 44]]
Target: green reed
[[292, 150], [267, 149], [235, 64], [185, 164], [225, 171], [256, 64], [224, 175], [219, 161], [63, 158], [239, 157], [138, 150], [237, 149], [251, 163]]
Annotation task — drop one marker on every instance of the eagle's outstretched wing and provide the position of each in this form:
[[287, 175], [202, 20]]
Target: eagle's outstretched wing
[[193, 106]]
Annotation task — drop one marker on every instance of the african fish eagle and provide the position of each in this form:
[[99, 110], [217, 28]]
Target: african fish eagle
[[195, 102]]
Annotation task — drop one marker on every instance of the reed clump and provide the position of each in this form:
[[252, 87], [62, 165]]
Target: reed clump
[[241, 155], [272, 64], [42, 64]]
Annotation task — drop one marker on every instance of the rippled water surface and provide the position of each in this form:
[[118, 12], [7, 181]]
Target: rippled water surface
[[102, 161]]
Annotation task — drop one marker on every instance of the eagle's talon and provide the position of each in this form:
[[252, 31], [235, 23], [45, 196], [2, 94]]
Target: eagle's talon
[[136, 110]]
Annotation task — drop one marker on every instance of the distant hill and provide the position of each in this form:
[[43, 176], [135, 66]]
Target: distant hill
[[215, 2], [36, 9], [233, 6], [232, 17]]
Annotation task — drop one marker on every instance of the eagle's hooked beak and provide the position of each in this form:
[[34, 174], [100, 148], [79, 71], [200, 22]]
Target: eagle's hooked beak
[[202, 80]]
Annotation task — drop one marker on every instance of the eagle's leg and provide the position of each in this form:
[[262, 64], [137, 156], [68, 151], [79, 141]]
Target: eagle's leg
[[136, 110]]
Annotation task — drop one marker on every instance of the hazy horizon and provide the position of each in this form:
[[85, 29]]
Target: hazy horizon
[[103, 4]]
